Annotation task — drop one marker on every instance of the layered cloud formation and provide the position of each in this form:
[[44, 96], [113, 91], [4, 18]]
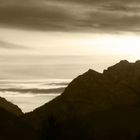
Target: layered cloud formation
[[71, 15], [9, 45]]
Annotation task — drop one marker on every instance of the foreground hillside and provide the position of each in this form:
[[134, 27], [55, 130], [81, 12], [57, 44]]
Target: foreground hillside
[[12, 128], [10, 107], [95, 106]]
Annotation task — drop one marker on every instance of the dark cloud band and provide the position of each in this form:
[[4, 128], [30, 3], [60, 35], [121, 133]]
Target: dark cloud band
[[72, 15]]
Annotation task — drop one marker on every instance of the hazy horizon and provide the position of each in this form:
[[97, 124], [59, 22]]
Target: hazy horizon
[[53, 67]]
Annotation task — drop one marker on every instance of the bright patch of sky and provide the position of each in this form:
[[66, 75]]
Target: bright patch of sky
[[67, 43]]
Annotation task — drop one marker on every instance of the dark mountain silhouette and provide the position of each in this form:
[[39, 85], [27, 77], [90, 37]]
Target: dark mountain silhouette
[[94, 106], [12, 128], [10, 107]]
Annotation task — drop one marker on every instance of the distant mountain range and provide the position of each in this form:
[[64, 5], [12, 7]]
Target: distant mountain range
[[94, 106]]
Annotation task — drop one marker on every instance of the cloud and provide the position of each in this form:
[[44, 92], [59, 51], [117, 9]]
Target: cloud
[[72, 15], [8, 45]]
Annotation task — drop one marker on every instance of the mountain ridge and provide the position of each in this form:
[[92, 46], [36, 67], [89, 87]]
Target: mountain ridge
[[89, 107], [94, 106]]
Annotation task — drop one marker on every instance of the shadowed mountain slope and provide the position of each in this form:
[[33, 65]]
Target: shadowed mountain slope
[[12, 128], [10, 107], [94, 106]]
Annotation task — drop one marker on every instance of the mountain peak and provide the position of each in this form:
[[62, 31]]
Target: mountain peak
[[91, 72], [123, 62], [123, 65], [138, 62]]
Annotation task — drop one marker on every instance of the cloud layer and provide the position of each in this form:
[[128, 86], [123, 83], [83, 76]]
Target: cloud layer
[[72, 15], [8, 45]]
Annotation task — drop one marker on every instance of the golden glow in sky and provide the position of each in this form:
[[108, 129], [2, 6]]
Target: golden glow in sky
[[68, 43]]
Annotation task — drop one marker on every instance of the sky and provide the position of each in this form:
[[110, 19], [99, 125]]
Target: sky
[[108, 30]]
